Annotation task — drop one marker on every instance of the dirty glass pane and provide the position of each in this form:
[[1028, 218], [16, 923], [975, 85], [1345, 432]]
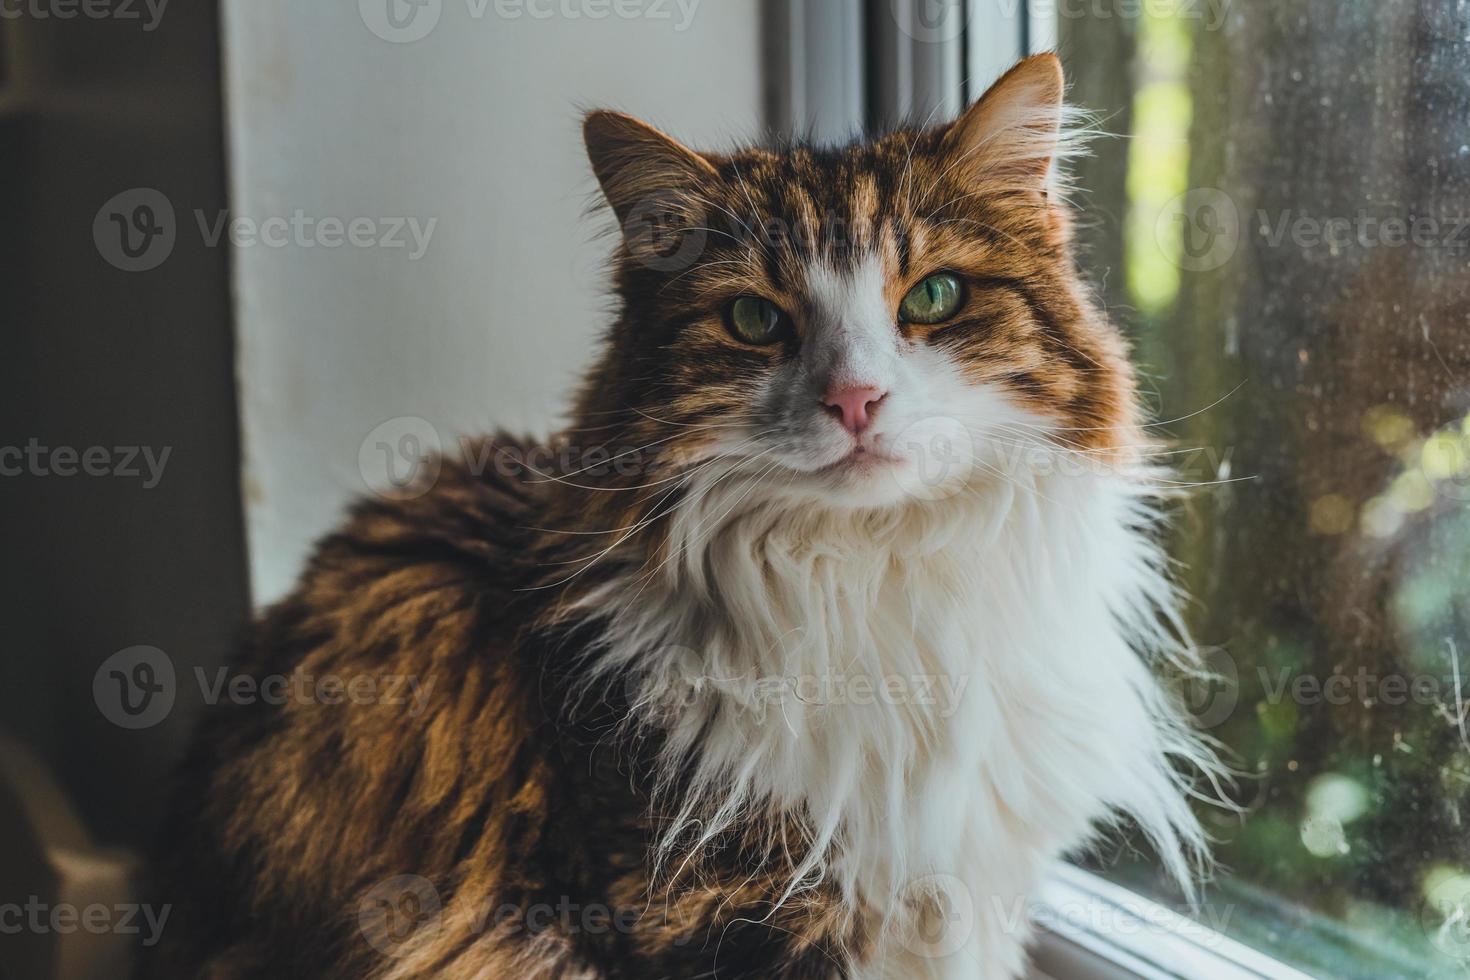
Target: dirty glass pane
[[1283, 224]]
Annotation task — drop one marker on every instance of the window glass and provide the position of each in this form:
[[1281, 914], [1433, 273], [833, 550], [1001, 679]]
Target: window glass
[[1283, 225]]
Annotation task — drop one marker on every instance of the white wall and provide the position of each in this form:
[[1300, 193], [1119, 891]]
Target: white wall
[[475, 125]]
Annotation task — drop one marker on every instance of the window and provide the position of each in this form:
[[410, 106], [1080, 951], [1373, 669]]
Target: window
[[1284, 229]]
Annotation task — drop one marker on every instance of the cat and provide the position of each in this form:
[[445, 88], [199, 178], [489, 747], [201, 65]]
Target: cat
[[833, 620]]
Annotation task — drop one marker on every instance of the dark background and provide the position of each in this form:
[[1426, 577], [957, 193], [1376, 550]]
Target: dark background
[[92, 355]]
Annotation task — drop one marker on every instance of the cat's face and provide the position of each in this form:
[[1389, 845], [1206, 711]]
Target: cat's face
[[864, 324]]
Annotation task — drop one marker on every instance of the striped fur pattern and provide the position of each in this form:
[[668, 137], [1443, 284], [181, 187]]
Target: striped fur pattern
[[719, 685]]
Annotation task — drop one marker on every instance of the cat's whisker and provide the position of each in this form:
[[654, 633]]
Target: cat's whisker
[[693, 535], [908, 164], [745, 420], [1051, 442], [654, 516], [678, 435], [631, 529], [1146, 425], [703, 267], [553, 478], [610, 459], [693, 501], [1005, 477], [628, 410], [749, 231], [690, 471], [1173, 486], [602, 554], [754, 211]]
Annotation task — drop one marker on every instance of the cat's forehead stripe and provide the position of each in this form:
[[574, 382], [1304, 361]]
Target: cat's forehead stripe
[[807, 207]]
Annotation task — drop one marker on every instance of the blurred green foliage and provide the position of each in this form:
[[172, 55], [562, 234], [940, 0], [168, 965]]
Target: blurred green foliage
[[1337, 576]]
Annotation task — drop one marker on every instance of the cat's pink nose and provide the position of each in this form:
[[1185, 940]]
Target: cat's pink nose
[[854, 406]]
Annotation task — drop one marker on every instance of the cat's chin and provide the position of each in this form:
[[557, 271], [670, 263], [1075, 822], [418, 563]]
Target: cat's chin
[[871, 479]]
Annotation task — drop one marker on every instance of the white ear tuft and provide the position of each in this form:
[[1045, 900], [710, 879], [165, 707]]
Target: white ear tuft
[[1014, 133]]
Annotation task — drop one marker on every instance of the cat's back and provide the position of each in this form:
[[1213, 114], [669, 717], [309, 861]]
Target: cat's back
[[449, 548], [351, 761]]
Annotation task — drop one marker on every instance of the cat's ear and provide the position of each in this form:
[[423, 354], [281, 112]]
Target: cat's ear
[[640, 168], [1013, 133]]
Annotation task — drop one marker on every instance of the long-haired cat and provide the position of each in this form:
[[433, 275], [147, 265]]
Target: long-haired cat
[[828, 625]]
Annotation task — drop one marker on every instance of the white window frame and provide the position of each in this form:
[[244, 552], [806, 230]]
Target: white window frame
[[1096, 930]]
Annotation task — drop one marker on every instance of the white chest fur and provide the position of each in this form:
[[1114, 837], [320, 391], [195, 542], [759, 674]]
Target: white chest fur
[[945, 698]]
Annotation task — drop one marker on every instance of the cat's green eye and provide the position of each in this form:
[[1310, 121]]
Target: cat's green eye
[[756, 321], [934, 300]]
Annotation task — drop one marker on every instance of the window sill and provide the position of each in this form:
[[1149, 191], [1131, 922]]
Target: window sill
[[1095, 930]]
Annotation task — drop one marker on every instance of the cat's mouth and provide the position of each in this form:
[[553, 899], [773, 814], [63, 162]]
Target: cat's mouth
[[862, 459]]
